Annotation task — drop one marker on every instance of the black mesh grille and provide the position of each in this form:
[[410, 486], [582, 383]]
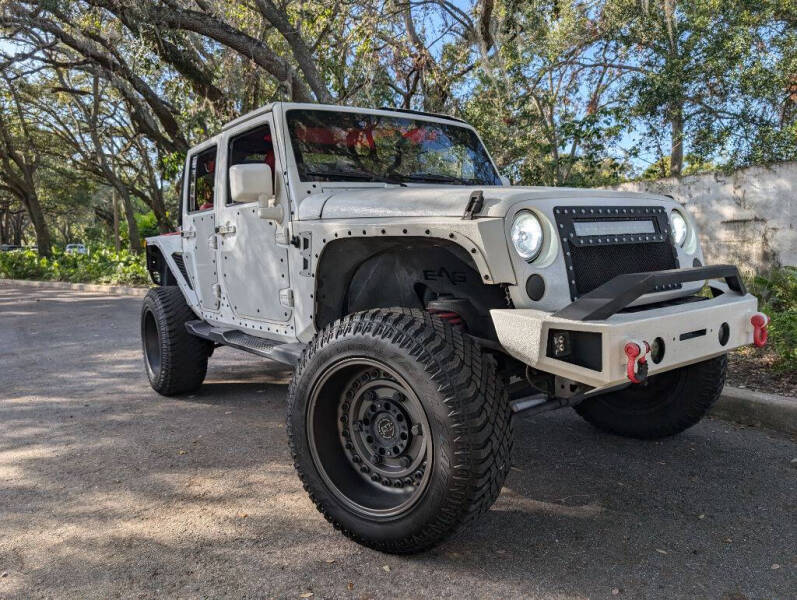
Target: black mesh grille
[[595, 265], [178, 260]]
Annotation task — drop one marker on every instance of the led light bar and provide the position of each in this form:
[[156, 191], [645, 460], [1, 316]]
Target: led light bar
[[588, 228]]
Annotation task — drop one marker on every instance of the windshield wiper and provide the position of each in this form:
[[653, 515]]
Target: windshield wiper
[[435, 177], [356, 176]]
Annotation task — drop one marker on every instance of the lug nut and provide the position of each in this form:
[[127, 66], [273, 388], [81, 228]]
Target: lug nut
[[407, 481], [374, 477], [416, 429], [405, 461], [356, 458]]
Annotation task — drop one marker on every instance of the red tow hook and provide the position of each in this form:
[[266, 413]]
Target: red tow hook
[[637, 366], [759, 321]]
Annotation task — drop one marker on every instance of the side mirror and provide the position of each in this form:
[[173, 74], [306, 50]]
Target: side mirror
[[505, 180], [249, 182], [252, 182]]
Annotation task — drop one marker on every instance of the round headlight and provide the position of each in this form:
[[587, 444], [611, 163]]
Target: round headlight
[[679, 227], [527, 235]]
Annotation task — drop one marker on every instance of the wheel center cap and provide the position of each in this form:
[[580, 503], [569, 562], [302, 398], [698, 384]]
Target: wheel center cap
[[386, 428]]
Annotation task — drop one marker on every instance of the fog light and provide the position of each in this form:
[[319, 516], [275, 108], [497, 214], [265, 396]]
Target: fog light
[[560, 344]]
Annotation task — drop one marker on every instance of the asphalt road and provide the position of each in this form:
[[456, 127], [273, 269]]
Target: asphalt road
[[108, 490]]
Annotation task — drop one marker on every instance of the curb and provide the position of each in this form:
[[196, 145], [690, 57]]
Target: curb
[[757, 409], [112, 290]]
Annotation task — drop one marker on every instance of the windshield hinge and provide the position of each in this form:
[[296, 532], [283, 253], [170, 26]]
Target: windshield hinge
[[475, 204]]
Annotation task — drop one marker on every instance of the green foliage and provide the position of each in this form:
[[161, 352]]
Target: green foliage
[[777, 293], [101, 265], [147, 224], [723, 67]]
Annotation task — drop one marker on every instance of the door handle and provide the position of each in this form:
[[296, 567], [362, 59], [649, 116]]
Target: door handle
[[225, 229]]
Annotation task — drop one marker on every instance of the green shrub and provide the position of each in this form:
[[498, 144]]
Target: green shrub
[[777, 294], [101, 265]]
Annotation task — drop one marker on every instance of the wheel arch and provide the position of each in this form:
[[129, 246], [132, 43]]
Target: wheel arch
[[158, 267], [355, 274]]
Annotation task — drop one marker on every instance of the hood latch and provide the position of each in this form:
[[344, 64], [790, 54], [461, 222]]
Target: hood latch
[[475, 204]]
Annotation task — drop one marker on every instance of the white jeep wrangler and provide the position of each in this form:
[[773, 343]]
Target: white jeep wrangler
[[422, 301]]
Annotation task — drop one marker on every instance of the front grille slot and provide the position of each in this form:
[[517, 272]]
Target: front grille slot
[[614, 244]]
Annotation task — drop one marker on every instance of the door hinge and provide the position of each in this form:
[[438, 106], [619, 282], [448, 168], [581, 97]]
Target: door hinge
[[217, 290], [306, 251], [213, 242], [286, 297], [188, 233]]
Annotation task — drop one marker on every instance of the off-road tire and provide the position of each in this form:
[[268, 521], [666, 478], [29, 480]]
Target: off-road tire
[[664, 405], [466, 406], [176, 361]]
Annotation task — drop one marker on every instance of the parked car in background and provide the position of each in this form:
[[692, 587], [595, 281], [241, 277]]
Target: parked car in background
[[9, 247], [76, 249]]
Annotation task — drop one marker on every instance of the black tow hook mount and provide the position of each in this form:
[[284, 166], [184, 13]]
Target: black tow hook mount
[[475, 204]]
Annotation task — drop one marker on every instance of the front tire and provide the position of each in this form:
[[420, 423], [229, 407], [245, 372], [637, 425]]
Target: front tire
[[399, 428], [666, 404], [176, 361]]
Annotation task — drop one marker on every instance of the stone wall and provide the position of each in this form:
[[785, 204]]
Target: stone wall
[[747, 218]]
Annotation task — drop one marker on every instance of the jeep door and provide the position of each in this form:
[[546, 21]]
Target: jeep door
[[253, 255], [199, 223]]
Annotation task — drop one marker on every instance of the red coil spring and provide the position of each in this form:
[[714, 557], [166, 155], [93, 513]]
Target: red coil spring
[[447, 315]]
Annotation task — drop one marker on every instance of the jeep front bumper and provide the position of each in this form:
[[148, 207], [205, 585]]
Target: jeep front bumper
[[585, 341]]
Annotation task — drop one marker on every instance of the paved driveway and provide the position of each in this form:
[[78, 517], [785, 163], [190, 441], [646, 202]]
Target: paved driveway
[[107, 490]]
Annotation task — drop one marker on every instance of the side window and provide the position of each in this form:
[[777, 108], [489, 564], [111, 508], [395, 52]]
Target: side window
[[254, 146], [202, 182]]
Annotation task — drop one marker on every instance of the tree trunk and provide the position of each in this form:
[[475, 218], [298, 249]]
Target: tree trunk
[[43, 239], [677, 148], [132, 226], [115, 208]]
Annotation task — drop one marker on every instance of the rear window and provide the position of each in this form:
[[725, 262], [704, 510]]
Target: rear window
[[202, 182]]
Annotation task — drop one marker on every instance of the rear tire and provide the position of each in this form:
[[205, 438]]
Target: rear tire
[[664, 405], [399, 428], [176, 361]]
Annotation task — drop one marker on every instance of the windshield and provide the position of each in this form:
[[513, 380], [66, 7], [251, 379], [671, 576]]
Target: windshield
[[348, 146]]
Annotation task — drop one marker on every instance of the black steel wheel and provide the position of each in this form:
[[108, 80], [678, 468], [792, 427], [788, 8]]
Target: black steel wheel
[[664, 405], [376, 459], [175, 361], [399, 428]]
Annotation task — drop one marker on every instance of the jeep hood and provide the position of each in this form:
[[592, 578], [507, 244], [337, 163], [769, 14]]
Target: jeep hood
[[437, 201]]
